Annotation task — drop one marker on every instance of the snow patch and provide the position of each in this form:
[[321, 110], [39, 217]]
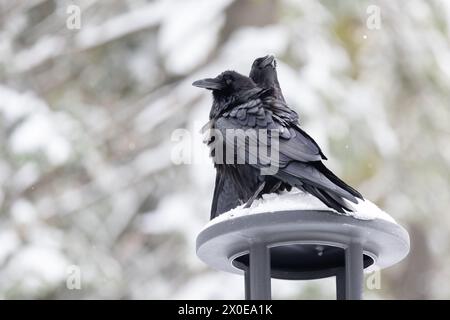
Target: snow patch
[[299, 200], [39, 132]]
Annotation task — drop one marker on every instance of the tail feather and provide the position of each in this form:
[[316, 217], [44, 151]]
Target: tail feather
[[333, 178], [308, 173], [340, 201], [324, 197], [319, 181]]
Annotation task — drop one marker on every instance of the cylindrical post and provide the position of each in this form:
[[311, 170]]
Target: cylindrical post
[[354, 269], [247, 284], [340, 284], [259, 270]]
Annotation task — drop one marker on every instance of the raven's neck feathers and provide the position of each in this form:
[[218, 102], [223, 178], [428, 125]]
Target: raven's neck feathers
[[223, 103]]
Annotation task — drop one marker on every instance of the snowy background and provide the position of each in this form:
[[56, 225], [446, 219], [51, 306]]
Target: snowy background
[[86, 118]]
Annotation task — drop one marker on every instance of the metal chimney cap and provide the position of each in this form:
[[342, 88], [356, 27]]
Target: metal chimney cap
[[304, 244]]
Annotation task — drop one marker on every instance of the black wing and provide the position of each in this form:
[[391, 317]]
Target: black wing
[[299, 163], [234, 185]]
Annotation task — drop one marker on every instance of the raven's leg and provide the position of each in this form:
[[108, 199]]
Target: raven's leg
[[275, 187], [253, 197]]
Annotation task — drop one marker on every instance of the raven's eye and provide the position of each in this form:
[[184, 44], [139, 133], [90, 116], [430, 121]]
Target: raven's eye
[[228, 81]]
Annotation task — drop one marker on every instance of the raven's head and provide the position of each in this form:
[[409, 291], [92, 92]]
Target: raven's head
[[228, 82], [226, 88], [264, 72]]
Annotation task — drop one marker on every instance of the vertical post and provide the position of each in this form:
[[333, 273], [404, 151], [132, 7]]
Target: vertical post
[[259, 269], [340, 284], [354, 269], [247, 284]]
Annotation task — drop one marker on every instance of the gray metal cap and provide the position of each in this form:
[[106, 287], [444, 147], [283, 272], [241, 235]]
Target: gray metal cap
[[304, 244]]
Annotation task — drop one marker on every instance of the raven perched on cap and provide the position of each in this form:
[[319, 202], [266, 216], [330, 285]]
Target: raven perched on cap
[[239, 104], [264, 74]]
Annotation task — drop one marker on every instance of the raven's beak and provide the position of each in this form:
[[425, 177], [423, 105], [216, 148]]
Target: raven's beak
[[269, 59], [209, 83]]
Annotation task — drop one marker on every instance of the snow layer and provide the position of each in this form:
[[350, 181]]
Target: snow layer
[[299, 200]]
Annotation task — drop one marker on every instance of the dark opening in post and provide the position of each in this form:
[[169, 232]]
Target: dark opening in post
[[303, 261]]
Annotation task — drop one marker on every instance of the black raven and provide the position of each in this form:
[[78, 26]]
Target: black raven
[[239, 105], [227, 190], [264, 74], [235, 184]]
